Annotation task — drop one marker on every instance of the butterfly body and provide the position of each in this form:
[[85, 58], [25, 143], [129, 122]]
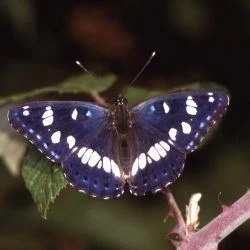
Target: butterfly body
[[101, 149]]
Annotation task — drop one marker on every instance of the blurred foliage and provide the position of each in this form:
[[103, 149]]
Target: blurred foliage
[[10, 142], [84, 83], [195, 41]]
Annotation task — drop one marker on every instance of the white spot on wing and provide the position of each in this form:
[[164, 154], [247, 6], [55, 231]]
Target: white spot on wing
[[154, 154], [191, 110], [48, 121], [56, 137], [172, 133], [74, 114], [94, 159], [186, 128], [26, 107], [160, 150], [26, 112], [81, 152], [47, 113], [210, 93], [135, 167], [165, 145], [149, 160], [142, 161], [87, 155], [99, 165], [191, 107], [71, 141], [211, 99], [47, 116], [106, 164], [191, 102], [115, 169], [165, 107]]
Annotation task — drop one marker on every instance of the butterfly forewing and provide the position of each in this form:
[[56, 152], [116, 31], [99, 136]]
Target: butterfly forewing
[[56, 128], [183, 118]]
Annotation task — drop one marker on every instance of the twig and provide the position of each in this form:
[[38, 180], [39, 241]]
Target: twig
[[98, 99], [180, 228], [209, 237], [214, 232]]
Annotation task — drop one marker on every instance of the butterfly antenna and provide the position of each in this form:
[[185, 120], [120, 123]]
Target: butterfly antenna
[[82, 67], [140, 72]]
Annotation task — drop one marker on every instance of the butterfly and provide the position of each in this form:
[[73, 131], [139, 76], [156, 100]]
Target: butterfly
[[100, 149]]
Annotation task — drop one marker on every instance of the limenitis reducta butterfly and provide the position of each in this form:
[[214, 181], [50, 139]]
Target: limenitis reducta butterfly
[[101, 149]]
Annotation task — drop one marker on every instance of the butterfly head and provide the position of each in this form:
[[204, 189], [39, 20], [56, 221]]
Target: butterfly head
[[121, 101]]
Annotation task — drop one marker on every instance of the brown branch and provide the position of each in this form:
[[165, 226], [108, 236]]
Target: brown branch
[[98, 99], [214, 232], [180, 228]]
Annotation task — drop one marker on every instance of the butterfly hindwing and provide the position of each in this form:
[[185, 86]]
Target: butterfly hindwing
[[57, 127], [156, 163], [93, 168], [182, 118]]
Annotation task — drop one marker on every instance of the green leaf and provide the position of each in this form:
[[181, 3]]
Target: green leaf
[[83, 83], [43, 178], [137, 94], [86, 83]]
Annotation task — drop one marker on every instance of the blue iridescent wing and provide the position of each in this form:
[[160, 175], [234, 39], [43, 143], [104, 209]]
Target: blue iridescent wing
[[56, 127], [156, 163], [75, 134], [166, 129], [94, 169]]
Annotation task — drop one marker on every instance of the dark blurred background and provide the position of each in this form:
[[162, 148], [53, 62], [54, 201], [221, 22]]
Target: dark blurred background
[[195, 40]]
